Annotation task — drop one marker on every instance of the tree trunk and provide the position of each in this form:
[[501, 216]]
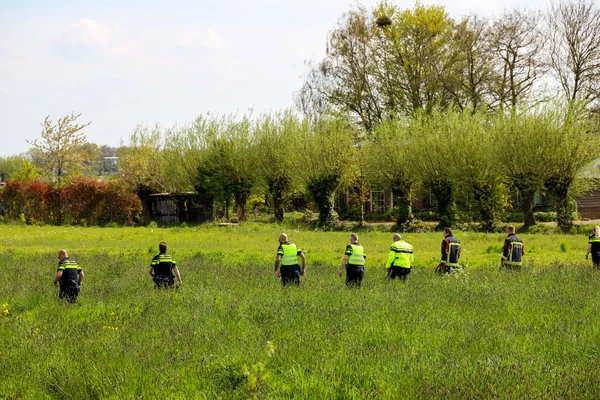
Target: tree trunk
[[278, 188], [529, 216], [240, 205], [323, 192], [563, 216], [490, 203], [405, 212], [227, 204], [444, 194]]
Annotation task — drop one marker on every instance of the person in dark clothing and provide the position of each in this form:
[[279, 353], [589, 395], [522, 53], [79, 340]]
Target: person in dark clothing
[[513, 250], [450, 253], [162, 268], [594, 247], [286, 262], [69, 277], [353, 262]]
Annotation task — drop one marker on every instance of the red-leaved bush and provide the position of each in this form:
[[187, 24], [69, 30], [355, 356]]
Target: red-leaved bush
[[83, 201]]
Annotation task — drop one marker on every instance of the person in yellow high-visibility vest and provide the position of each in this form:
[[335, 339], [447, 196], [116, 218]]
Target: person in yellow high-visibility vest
[[400, 259], [68, 276], [286, 261], [353, 262]]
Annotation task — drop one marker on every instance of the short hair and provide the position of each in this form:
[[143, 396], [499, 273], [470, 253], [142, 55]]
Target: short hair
[[63, 253], [510, 228], [162, 246], [354, 237], [597, 231], [448, 231], [283, 238], [397, 237]]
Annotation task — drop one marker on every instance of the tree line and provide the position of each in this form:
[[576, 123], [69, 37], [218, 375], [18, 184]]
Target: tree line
[[407, 100]]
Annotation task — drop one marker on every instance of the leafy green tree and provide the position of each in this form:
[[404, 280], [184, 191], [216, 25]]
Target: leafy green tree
[[142, 166], [27, 170], [570, 145], [477, 171], [62, 146], [214, 157], [9, 166], [327, 149], [390, 156], [418, 58], [436, 148], [276, 156], [343, 81], [519, 140], [227, 166]]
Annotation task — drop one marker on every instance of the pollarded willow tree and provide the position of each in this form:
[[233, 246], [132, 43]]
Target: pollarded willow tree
[[213, 156], [186, 150], [390, 164], [436, 148], [570, 145], [480, 176], [519, 142], [142, 166], [276, 156], [327, 149]]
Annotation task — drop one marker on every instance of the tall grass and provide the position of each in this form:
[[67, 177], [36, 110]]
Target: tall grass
[[480, 334]]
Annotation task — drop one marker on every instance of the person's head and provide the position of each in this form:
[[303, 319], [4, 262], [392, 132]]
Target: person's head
[[397, 237], [283, 238], [162, 247], [353, 238], [62, 254], [510, 229], [447, 232], [597, 231]]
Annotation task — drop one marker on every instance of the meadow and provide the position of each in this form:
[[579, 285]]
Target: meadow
[[232, 331]]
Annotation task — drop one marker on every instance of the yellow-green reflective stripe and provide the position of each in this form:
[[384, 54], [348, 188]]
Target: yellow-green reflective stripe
[[595, 240], [356, 259], [512, 247], [289, 260], [450, 245]]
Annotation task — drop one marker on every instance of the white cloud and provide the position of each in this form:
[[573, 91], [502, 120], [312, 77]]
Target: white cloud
[[85, 40], [88, 32], [210, 39], [6, 44]]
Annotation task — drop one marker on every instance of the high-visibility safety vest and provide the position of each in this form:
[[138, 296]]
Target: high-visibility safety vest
[[594, 239], [290, 254], [403, 254], [162, 264], [453, 248], [70, 270], [515, 254], [358, 255]]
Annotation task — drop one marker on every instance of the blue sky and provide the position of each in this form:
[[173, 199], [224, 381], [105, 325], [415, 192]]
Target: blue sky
[[124, 63]]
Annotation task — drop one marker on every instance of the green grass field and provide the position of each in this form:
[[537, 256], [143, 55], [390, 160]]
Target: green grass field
[[231, 331]]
